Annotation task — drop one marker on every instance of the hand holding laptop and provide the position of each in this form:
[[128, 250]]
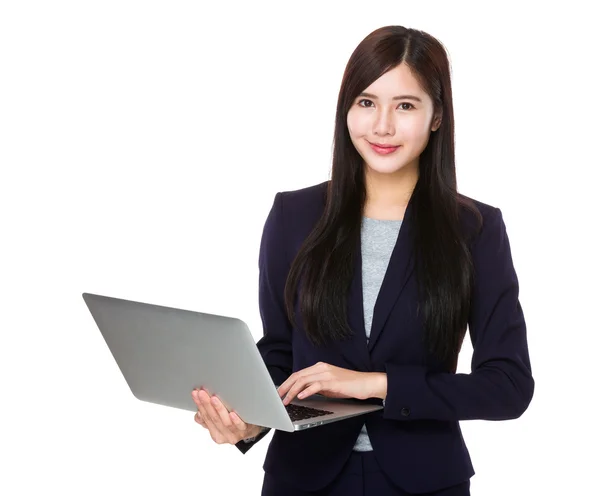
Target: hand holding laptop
[[224, 426], [164, 353]]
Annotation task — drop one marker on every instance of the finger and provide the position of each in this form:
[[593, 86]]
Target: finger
[[238, 422], [199, 420], [301, 384], [215, 432], [230, 430], [204, 413], [314, 388], [222, 412], [296, 388], [220, 432], [291, 380], [208, 408], [195, 397], [287, 384], [322, 378], [203, 416]]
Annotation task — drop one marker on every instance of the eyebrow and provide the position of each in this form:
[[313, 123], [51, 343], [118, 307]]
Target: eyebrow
[[400, 97]]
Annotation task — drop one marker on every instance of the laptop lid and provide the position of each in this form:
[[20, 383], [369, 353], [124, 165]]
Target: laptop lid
[[164, 353]]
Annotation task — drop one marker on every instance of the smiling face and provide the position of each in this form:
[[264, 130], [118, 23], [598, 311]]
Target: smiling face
[[395, 111]]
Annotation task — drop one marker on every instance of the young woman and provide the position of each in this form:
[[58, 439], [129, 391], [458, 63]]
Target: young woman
[[367, 285]]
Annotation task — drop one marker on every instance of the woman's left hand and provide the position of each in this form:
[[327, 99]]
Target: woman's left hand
[[328, 380]]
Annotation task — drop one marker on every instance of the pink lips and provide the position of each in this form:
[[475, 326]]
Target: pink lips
[[383, 150]]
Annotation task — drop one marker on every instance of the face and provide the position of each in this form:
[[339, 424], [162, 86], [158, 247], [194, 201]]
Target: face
[[378, 117]]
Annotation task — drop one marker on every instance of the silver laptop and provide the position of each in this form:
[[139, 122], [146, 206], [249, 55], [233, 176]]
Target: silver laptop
[[164, 353]]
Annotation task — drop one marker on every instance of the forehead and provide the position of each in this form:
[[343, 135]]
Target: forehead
[[396, 81]]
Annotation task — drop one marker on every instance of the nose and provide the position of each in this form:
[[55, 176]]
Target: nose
[[384, 124]]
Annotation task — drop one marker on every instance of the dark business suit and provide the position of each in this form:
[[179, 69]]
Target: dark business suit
[[416, 438]]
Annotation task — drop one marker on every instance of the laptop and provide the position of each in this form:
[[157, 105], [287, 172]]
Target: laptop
[[164, 353]]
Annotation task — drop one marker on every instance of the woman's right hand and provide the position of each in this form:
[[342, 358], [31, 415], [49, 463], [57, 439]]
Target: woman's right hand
[[225, 427]]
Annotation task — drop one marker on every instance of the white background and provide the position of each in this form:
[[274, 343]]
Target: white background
[[142, 144]]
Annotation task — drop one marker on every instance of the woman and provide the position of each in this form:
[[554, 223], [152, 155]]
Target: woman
[[386, 264]]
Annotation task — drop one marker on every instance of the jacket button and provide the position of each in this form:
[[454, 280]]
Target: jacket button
[[405, 412]]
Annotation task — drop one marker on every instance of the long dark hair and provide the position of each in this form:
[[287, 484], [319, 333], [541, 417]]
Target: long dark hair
[[443, 264]]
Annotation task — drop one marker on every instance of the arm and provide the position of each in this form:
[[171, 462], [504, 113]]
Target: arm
[[245, 444], [276, 344], [500, 385]]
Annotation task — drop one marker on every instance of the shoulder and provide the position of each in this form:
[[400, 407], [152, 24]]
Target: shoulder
[[480, 220], [304, 201], [299, 212], [485, 209], [489, 236], [315, 192]]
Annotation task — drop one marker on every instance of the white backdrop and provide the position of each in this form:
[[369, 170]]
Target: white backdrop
[[142, 144]]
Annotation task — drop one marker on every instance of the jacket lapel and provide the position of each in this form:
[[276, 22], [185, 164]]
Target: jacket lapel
[[355, 349], [401, 265]]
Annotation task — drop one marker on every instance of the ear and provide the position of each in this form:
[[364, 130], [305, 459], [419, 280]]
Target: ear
[[437, 121]]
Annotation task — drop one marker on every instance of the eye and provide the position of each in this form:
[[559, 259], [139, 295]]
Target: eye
[[411, 106]]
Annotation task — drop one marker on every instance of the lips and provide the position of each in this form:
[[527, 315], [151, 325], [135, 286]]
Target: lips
[[383, 149], [378, 145]]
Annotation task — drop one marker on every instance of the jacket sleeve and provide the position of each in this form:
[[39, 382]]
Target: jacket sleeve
[[500, 385], [275, 346], [244, 446]]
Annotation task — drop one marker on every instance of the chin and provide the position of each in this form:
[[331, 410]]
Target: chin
[[392, 169]]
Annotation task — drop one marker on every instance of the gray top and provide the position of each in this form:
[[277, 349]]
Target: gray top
[[378, 238]]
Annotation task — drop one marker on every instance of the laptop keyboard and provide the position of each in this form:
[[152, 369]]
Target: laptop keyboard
[[298, 412]]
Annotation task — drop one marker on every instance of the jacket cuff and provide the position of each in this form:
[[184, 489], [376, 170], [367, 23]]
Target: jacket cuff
[[245, 445], [252, 439], [406, 385]]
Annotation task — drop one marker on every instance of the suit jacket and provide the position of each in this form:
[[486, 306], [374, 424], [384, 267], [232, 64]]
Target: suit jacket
[[416, 438]]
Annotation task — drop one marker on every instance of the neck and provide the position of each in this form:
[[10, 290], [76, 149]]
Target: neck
[[388, 194]]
